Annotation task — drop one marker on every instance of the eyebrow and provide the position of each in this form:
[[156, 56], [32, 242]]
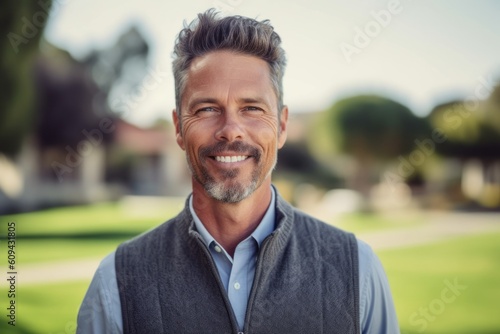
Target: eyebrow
[[252, 100]]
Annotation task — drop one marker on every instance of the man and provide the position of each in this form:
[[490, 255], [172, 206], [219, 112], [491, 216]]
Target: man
[[238, 258]]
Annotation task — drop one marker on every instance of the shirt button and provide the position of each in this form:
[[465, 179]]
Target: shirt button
[[237, 286], [218, 249]]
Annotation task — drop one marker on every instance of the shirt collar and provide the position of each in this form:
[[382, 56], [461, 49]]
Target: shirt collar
[[265, 227]]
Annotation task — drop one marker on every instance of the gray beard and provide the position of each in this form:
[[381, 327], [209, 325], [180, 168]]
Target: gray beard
[[234, 192], [229, 194]]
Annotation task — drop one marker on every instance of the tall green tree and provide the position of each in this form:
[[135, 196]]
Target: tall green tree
[[472, 132], [373, 130], [21, 26]]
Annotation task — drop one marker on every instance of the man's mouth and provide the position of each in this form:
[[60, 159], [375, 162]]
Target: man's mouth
[[230, 158], [230, 153]]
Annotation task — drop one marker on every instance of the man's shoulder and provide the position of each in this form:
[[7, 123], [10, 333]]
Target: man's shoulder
[[309, 234], [306, 222], [157, 235], [299, 217]]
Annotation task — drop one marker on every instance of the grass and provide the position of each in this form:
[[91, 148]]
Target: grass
[[47, 308], [106, 219], [80, 232], [417, 275]]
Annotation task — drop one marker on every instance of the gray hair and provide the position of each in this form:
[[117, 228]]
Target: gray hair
[[235, 33]]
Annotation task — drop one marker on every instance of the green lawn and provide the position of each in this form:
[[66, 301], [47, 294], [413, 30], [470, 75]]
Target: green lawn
[[106, 219], [47, 308], [80, 232], [418, 275]]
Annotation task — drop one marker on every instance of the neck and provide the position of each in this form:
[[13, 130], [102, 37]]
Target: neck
[[231, 223]]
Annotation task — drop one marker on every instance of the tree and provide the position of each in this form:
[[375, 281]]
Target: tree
[[472, 130], [21, 25], [73, 95], [295, 161], [372, 129]]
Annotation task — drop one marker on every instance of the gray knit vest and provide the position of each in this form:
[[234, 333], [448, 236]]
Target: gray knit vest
[[306, 280]]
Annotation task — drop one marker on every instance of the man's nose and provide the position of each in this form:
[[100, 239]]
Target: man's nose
[[231, 128]]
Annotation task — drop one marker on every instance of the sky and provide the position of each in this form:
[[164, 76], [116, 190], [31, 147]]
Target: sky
[[419, 53]]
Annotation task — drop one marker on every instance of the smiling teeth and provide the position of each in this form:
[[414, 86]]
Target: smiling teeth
[[231, 158]]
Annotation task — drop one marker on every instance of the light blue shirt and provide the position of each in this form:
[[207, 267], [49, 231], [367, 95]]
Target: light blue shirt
[[100, 311], [237, 273]]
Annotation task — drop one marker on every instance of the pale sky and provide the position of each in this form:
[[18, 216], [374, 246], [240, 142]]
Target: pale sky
[[424, 53]]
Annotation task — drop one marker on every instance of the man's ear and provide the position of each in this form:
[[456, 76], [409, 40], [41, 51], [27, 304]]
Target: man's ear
[[178, 132], [283, 127]]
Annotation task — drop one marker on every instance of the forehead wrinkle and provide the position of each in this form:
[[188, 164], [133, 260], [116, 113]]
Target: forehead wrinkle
[[242, 91]]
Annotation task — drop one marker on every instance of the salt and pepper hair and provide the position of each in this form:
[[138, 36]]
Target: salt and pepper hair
[[243, 35]]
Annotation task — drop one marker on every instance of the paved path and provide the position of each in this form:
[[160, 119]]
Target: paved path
[[440, 226]]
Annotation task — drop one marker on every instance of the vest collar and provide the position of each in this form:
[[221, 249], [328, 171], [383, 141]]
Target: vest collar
[[279, 237]]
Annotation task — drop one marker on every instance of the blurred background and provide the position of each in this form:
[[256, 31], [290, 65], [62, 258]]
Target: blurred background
[[394, 134]]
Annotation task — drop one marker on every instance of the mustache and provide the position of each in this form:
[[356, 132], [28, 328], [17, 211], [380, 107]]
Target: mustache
[[236, 147]]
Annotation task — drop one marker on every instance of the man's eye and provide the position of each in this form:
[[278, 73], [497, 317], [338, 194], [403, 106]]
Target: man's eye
[[251, 108], [206, 109]]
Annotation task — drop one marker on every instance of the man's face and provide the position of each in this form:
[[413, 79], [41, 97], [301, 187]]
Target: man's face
[[229, 124]]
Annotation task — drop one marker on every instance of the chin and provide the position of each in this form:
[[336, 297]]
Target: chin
[[232, 193]]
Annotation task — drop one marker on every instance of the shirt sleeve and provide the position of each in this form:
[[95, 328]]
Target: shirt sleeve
[[100, 311], [377, 312]]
